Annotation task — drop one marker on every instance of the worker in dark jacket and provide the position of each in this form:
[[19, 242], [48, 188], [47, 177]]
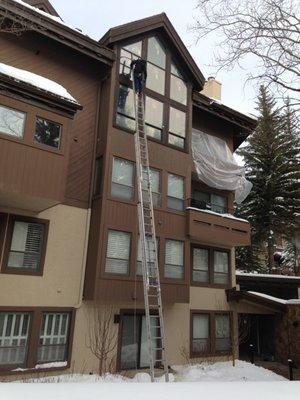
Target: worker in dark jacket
[[139, 67]]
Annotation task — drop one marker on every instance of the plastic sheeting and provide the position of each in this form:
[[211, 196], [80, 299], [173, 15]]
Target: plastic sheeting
[[216, 166]]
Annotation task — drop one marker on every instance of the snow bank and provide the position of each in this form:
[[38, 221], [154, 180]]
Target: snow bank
[[230, 216], [36, 80]]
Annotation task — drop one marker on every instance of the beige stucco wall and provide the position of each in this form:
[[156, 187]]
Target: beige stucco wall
[[62, 279]]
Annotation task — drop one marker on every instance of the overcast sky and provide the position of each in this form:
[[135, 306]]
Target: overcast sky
[[95, 17]]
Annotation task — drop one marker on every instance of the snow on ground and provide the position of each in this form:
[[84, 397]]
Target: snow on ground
[[36, 80], [218, 381]]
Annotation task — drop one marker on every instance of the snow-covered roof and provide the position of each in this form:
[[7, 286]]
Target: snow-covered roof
[[37, 81], [270, 276], [275, 299]]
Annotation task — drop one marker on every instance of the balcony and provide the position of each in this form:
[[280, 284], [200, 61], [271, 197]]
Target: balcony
[[218, 227]]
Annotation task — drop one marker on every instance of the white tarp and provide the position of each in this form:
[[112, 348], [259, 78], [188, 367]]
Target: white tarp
[[216, 166]]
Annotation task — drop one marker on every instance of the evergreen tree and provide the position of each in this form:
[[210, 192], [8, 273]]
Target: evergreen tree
[[272, 165]]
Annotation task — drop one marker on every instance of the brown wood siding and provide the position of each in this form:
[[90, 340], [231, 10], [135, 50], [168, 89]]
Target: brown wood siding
[[81, 78]]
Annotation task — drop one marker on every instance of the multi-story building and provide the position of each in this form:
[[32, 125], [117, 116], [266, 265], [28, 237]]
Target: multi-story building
[[70, 281]]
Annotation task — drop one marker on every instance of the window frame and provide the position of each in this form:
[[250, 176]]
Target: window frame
[[36, 315], [132, 199], [211, 282], [10, 220], [112, 274], [165, 99], [212, 333]]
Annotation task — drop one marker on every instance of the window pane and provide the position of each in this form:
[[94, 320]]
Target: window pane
[[218, 203], [155, 79], [118, 252], [221, 267], [129, 349], [125, 61], [201, 342], [150, 246], [126, 113], [178, 90], [176, 141], [12, 122], [156, 52], [177, 122], [13, 338], [201, 196], [122, 178], [54, 335], [174, 259], [200, 265], [154, 117], [175, 71], [135, 48], [26, 245], [176, 186], [47, 133], [222, 322], [155, 180]]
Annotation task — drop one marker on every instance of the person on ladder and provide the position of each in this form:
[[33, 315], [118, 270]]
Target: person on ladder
[[139, 68]]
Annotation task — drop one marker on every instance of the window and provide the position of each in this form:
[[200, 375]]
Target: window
[[12, 122], [118, 252], [221, 267], [155, 186], [13, 338], [175, 192], [177, 128], [210, 266], [125, 110], [150, 246], [154, 117], [211, 201], [210, 333], [53, 340], [26, 245], [134, 344], [122, 179], [98, 176], [174, 256], [47, 132], [222, 329], [201, 333], [200, 269], [166, 93]]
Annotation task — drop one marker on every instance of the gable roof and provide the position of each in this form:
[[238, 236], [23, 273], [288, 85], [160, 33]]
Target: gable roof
[[43, 5], [159, 22]]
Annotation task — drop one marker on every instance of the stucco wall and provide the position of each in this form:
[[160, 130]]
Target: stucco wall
[[60, 285]]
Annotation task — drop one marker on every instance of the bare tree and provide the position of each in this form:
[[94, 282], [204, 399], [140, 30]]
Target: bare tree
[[268, 30], [102, 336]]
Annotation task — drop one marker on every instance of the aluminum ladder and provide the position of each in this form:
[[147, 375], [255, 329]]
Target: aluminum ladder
[[150, 267]]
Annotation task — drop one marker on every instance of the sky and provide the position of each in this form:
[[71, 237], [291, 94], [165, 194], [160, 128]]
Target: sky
[[95, 17]]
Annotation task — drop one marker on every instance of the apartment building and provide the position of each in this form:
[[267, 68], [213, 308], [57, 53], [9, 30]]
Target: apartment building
[[69, 242]]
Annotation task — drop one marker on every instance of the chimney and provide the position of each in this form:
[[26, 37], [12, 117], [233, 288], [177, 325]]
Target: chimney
[[212, 88]]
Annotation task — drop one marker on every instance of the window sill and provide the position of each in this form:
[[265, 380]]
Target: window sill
[[211, 285], [21, 271]]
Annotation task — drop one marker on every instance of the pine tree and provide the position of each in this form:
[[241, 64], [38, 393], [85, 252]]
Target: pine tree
[[272, 165]]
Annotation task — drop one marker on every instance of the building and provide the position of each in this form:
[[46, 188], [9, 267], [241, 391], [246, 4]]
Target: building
[[70, 262]]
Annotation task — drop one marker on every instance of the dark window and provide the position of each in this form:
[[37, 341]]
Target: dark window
[[134, 344], [14, 331], [54, 335], [47, 132], [12, 122], [209, 201], [26, 245], [98, 176], [222, 331], [210, 266]]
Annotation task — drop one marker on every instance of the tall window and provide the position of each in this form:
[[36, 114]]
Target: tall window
[[222, 329], [151, 260], [12, 122], [54, 334], [201, 333], [221, 267], [210, 201], [26, 246], [200, 267], [175, 192], [166, 93], [118, 252], [47, 132], [210, 266], [155, 186], [122, 179], [13, 338], [174, 259]]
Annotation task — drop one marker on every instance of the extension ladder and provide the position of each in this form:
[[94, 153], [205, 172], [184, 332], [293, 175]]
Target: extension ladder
[[150, 268]]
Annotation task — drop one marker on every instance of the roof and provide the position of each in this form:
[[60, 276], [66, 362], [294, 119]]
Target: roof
[[159, 22], [53, 27], [36, 87], [243, 122], [257, 298], [43, 5], [268, 278]]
